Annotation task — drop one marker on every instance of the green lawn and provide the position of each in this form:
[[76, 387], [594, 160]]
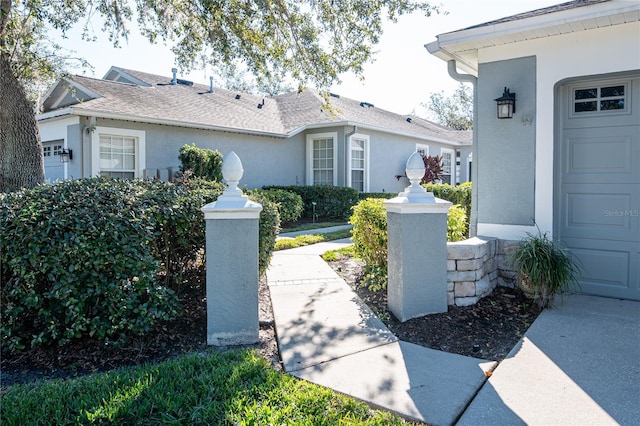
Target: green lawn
[[308, 239], [311, 226], [236, 387]]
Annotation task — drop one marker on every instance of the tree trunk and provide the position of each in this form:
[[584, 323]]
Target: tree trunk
[[21, 162]]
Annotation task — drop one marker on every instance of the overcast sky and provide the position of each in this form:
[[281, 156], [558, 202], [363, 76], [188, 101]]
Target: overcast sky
[[403, 76]]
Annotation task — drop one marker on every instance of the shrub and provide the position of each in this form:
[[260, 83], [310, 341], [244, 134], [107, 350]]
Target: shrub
[[83, 258], [331, 201], [204, 163], [289, 203], [268, 228], [174, 210], [459, 194], [456, 224], [369, 236], [76, 262], [544, 268], [369, 232]]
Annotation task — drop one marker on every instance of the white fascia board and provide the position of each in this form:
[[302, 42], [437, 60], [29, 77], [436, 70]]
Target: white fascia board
[[77, 86], [53, 114], [374, 128], [177, 123], [439, 52], [539, 22]]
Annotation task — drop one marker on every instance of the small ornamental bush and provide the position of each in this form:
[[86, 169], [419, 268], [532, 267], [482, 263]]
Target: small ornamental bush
[[203, 163], [456, 224], [459, 194], [330, 201], [369, 235], [289, 203], [369, 232]]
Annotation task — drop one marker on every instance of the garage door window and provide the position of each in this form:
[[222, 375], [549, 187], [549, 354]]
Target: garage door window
[[51, 150], [599, 99]]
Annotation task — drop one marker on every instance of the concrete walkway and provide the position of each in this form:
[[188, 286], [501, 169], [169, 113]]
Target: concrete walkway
[[328, 336], [578, 364]]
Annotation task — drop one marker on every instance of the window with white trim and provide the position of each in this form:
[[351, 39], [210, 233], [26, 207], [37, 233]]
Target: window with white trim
[[119, 153], [448, 156], [118, 156], [358, 176], [322, 159]]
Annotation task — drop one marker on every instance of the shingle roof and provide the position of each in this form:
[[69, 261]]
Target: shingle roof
[[537, 12], [280, 116]]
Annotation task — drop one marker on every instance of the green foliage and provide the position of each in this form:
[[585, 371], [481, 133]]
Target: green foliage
[[203, 163], [99, 258], [369, 232], [308, 239], [459, 194], [289, 203], [77, 261], [331, 201], [455, 111], [332, 255], [268, 228], [385, 195], [369, 236], [544, 267], [457, 224], [215, 388]]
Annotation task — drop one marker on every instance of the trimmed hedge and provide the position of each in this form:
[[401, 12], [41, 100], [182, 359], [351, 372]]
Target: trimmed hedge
[[459, 194], [289, 203], [202, 162], [98, 258], [331, 201]]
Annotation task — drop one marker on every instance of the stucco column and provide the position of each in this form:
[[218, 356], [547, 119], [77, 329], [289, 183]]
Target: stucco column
[[232, 262], [417, 248]]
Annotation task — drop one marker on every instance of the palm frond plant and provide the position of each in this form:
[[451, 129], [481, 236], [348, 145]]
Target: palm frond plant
[[544, 268]]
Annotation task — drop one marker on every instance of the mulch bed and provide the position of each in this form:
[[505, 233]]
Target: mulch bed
[[488, 330]]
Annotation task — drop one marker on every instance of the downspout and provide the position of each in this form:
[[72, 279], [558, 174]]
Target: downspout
[[468, 78], [346, 153]]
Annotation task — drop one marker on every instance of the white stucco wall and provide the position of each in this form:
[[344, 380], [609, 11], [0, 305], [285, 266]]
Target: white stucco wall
[[585, 53]]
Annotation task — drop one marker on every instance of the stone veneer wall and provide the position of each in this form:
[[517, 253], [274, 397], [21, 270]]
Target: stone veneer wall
[[475, 267]]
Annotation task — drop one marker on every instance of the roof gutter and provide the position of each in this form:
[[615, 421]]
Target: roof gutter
[[468, 78]]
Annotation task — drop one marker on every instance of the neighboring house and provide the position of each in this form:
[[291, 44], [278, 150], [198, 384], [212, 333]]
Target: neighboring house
[[132, 124], [569, 159]]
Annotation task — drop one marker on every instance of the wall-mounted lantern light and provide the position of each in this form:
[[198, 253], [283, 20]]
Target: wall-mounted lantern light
[[66, 155], [506, 104]]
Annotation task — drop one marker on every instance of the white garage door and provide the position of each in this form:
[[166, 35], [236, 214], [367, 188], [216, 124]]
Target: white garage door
[[598, 183], [53, 168]]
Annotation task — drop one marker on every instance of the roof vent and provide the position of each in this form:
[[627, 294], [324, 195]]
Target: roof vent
[[260, 105], [174, 71], [210, 84], [409, 120], [238, 96], [334, 95], [366, 104], [184, 82]]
